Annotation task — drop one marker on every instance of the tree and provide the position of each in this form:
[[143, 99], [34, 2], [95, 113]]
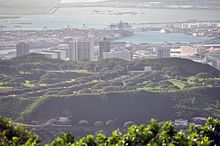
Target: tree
[[66, 140], [204, 75], [12, 134], [154, 133]]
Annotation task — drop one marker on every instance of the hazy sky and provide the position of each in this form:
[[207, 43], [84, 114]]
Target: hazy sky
[[81, 0]]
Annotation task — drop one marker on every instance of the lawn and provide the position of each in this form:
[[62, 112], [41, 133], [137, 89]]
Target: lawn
[[178, 83]]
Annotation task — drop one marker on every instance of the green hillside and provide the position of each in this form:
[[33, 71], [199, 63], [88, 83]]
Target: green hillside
[[125, 106], [36, 88]]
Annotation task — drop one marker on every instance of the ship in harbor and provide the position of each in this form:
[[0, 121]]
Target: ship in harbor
[[162, 30]]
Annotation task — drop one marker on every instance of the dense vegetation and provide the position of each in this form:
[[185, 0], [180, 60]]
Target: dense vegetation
[[37, 90], [152, 134], [36, 72], [28, 82], [13, 135]]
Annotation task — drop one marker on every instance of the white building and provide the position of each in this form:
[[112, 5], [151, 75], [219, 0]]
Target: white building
[[190, 25], [147, 68], [181, 122], [63, 50], [61, 54], [49, 54], [124, 55], [197, 25]]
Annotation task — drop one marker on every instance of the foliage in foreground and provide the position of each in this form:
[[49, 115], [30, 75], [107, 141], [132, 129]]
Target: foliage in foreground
[[13, 135], [153, 134]]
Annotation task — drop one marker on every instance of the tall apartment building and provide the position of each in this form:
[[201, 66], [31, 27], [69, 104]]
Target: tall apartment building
[[104, 46], [163, 52], [81, 50], [22, 48]]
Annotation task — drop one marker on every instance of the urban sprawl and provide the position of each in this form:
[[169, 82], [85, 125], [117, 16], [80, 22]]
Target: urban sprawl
[[89, 44]]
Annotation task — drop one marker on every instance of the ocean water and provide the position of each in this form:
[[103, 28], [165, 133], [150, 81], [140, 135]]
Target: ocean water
[[76, 17], [157, 37]]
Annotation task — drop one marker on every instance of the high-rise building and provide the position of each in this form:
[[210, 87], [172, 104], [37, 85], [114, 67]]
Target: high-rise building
[[104, 46], [81, 51], [22, 48], [163, 52], [72, 53]]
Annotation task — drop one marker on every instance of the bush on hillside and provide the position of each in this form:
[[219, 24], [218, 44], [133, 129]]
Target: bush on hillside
[[14, 135], [152, 134]]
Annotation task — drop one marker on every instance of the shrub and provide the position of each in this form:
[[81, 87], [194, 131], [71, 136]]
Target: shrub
[[14, 135]]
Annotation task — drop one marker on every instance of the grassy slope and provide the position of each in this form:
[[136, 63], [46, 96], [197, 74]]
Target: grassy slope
[[136, 106]]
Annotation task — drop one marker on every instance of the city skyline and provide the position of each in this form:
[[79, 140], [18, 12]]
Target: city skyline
[[95, 66]]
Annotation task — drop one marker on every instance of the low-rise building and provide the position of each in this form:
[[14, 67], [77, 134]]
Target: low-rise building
[[146, 69], [190, 51], [213, 59], [124, 55], [181, 122], [64, 47], [49, 54], [62, 54]]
